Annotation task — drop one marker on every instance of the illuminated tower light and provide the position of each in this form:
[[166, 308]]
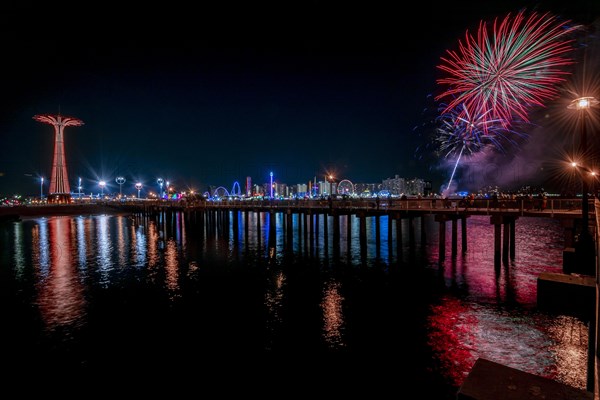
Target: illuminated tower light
[[59, 190]]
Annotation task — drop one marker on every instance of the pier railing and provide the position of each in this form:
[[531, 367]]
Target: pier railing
[[552, 205]]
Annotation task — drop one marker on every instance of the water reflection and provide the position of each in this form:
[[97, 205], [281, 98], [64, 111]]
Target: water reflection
[[82, 244], [569, 339], [19, 258], [274, 304], [282, 290], [122, 241], [105, 245], [333, 315], [60, 294], [172, 267], [40, 247], [154, 239]]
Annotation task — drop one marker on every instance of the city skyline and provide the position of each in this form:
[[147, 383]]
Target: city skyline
[[325, 88]]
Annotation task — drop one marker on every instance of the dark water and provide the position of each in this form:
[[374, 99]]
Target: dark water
[[113, 296]]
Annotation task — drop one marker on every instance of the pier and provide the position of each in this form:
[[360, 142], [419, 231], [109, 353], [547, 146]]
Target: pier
[[313, 214]]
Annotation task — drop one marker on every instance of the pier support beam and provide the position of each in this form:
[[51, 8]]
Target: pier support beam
[[399, 240], [411, 232], [454, 237], [306, 231], [441, 219], [377, 235], [258, 229], [311, 228], [502, 243], [390, 236], [348, 232], [246, 225], [336, 235], [289, 229], [463, 226], [363, 235], [326, 233]]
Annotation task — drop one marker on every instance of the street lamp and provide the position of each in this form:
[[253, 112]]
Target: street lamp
[[167, 189], [41, 188], [138, 186], [79, 187], [586, 245], [160, 184], [102, 184], [120, 180]]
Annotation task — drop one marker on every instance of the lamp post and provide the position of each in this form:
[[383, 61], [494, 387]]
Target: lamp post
[[79, 188], [120, 180], [160, 185], [102, 184], [585, 243], [41, 188], [138, 186]]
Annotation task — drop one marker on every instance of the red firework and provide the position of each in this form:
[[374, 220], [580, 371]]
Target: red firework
[[503, 72]]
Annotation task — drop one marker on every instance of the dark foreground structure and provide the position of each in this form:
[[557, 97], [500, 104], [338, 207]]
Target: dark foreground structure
[[492, 381]]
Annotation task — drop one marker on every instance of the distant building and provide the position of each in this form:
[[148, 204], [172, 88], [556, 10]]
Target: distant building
[[301, 190], [248, 186], [415, 186], [395, 186], [257, 190]]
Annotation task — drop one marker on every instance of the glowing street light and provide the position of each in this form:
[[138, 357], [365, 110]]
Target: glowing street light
[[42, 188], [102, 184], [138, 186], [79, 188]]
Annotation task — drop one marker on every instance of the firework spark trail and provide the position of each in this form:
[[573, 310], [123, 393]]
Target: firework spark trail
[[506, 71], [453, 171]]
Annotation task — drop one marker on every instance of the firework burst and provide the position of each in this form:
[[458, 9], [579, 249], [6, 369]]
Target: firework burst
[[502, 72], [458, 133]]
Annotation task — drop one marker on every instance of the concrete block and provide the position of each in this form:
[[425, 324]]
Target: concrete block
[[489, 380]]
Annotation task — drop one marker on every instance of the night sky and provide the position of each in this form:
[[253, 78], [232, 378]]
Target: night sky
[[207, 95]]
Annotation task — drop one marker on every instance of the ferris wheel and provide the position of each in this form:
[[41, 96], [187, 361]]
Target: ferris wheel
[[345, 187]]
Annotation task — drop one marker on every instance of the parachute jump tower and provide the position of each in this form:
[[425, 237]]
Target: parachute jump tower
[[60, 191]]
